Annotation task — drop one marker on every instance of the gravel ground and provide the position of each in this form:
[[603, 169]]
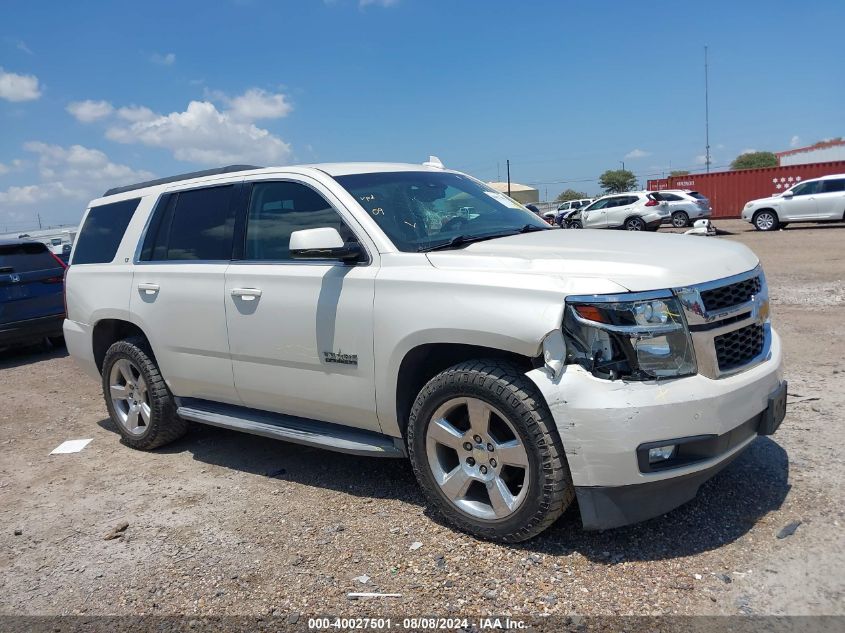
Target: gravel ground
[[224, 523]]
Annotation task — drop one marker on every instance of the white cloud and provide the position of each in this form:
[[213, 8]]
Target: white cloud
[[747, 151], [257, 104], [89, 110], [167, 59], [136, 113], [16, 165], [203, 134], [701, 159], [21, 46], [72, 175], [14, 87], [377, 3], [795, 141], [637, 153]]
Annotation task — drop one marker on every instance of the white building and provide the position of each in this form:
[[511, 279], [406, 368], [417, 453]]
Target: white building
[[521, 193], [823, 152]]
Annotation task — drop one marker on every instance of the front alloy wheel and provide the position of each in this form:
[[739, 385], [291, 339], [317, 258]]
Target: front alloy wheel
[[486, 451], [477, 458], [765, 221]]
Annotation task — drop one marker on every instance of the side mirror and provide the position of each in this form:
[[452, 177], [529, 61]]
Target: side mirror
[[324, 243], [788, 194]]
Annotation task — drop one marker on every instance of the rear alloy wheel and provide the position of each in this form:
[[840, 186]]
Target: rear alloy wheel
[[138, 400], [766, 221], [576, 224], [486, 452], [634, 224], [680, 219]]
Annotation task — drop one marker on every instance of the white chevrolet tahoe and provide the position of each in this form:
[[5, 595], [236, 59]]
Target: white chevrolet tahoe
[[356, 308]]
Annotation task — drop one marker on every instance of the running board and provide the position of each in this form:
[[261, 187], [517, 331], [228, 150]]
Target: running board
[[333, 437]]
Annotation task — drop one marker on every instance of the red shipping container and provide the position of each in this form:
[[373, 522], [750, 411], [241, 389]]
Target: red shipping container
[[730, 190]]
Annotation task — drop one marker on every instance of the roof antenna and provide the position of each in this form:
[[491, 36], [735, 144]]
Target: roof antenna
[[433, 161]]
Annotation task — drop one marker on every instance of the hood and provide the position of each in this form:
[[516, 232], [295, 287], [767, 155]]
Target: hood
[[633, 260]]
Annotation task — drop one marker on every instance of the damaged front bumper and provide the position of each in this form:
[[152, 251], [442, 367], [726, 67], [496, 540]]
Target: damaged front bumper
[[607, 425]]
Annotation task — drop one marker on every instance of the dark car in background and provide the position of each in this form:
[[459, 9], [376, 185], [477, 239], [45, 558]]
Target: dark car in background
[[31, 293]]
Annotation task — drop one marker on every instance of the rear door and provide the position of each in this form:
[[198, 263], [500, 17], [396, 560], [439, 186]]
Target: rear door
[[830, 202], [177, 289], [31, 282], [620, 209]]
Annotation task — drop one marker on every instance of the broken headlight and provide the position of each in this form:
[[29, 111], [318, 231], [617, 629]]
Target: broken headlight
[[641, 339]]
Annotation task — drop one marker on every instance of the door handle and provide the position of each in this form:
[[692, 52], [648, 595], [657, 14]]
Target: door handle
[[246, 294], [149, 289]]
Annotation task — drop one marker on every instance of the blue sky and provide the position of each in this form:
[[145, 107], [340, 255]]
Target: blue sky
[[97, 94]]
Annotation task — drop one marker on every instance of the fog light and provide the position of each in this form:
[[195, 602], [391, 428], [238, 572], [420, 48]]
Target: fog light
[[661, 453]]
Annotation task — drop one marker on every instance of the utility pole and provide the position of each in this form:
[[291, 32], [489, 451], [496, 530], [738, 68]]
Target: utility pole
[[39, 220], [498, 171], [509, 177], [623, 164], [706, 113]]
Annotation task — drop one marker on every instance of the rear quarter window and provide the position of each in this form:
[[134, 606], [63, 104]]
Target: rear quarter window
[[102, 231], [24, 258]]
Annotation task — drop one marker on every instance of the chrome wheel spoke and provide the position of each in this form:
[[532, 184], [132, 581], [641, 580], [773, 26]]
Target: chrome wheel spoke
[[512, 453], [479, 416], [125, 369], [456, 484], [118, 392], [132, 419], [442, 432], [501, 499], [144, 409]]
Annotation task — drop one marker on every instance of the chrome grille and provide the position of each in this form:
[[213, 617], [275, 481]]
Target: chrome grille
[[728, 321], [731, 295], [739, 347]]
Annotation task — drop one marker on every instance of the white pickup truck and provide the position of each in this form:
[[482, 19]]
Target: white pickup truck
[[354, 307]]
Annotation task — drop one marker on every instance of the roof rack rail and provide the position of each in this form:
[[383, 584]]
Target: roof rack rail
[[228, 169]]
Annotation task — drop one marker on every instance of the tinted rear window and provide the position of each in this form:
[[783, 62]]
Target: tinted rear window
[[197, 224], [833, 185], [102, 231], [23, 258], [697, 195]]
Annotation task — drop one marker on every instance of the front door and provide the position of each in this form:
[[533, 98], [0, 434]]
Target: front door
[[801, 205], [300, 332]]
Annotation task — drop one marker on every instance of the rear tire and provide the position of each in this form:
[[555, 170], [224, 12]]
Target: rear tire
[[576, 224], [766, 220], [635, 224], [513, 481], [680, 219], [138, 401]]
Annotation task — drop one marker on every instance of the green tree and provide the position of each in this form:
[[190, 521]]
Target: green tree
[[678, 172], [618, 180], [570, 194], [755, 160]]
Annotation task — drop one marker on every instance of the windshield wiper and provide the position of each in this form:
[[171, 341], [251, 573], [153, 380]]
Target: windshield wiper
[[528, 228], [460, 240]]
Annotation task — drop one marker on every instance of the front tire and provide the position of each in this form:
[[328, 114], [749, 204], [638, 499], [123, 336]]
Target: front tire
[[576, 224], [486, 452], [138, 401], [766, 220], [680, 219]]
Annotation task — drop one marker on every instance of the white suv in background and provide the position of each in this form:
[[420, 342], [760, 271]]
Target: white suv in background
[[685, 206], [817, 200], [632, 211], [399, 310]]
